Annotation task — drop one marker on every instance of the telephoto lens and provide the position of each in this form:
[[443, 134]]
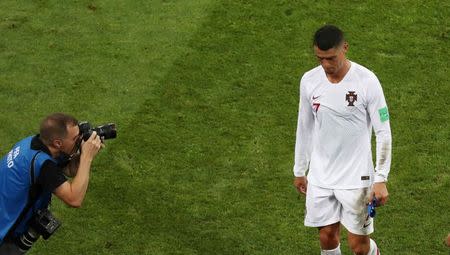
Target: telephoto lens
[[107, 131], [26, 240]]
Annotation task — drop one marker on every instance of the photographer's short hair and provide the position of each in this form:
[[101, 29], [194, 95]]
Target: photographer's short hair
[[327, 37], [54, 126]]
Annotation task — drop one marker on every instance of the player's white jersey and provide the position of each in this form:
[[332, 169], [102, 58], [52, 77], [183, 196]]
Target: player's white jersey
[[335, 126]]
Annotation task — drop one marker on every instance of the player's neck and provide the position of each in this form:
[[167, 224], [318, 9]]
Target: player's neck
[[339, 75]]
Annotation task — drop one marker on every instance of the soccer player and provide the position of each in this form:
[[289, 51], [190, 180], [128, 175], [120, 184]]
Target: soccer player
[[340, 102]]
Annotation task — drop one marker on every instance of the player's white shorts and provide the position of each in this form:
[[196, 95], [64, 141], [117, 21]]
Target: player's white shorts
[[348, 206]]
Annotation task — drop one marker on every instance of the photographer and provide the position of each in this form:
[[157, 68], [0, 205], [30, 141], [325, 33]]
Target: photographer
[[33, 170]]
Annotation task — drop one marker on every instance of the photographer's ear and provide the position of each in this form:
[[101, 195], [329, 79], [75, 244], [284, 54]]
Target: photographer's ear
[[58, 144]]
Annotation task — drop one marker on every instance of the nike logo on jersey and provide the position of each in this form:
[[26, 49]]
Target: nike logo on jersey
[[314, 98]]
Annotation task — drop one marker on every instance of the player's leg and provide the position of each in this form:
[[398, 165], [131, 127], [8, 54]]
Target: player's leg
[[329, 239], [355, 219], [361, 244], [323, 211]]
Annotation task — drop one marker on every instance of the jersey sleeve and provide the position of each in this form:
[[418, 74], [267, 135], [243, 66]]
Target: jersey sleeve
[[379, 116], [305, 125], [51, 176]]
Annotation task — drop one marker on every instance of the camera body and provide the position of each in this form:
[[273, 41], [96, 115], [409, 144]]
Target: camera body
[[43, 223], [107, 131]]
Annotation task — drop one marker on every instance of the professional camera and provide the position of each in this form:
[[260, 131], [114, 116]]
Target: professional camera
[[107, 131], [42, 223]]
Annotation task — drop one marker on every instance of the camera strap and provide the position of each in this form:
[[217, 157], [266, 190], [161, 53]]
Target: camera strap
[[32, 197]]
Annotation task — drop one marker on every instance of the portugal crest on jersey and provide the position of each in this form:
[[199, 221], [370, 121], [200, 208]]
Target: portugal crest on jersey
[[351, 97]]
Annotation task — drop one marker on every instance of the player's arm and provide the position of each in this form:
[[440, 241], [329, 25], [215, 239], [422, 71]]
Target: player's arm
[[379, 116], [305, 124], [73, 193]]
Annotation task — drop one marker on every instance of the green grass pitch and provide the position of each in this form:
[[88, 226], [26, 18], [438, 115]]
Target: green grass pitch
[[205, 96]]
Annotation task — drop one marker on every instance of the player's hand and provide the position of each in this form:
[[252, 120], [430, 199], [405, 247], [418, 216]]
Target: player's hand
[[91, 147], [380, 192], [301, 183]]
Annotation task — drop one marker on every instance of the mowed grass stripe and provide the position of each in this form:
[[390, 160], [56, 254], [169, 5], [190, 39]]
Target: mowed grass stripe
[[98, 60]]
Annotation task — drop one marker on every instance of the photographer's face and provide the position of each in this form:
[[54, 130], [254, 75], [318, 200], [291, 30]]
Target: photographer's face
[[68, 144]]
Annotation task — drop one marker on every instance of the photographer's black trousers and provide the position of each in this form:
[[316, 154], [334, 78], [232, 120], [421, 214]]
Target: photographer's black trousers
[[10, 248]]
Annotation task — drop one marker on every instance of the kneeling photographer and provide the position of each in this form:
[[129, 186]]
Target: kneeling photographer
[[35, 168]]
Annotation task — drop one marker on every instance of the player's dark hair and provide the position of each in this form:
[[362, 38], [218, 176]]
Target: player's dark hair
[[54, 126], [328, 37]]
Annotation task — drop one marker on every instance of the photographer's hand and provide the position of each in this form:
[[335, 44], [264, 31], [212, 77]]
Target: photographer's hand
[[90, 148], [73, 193]]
